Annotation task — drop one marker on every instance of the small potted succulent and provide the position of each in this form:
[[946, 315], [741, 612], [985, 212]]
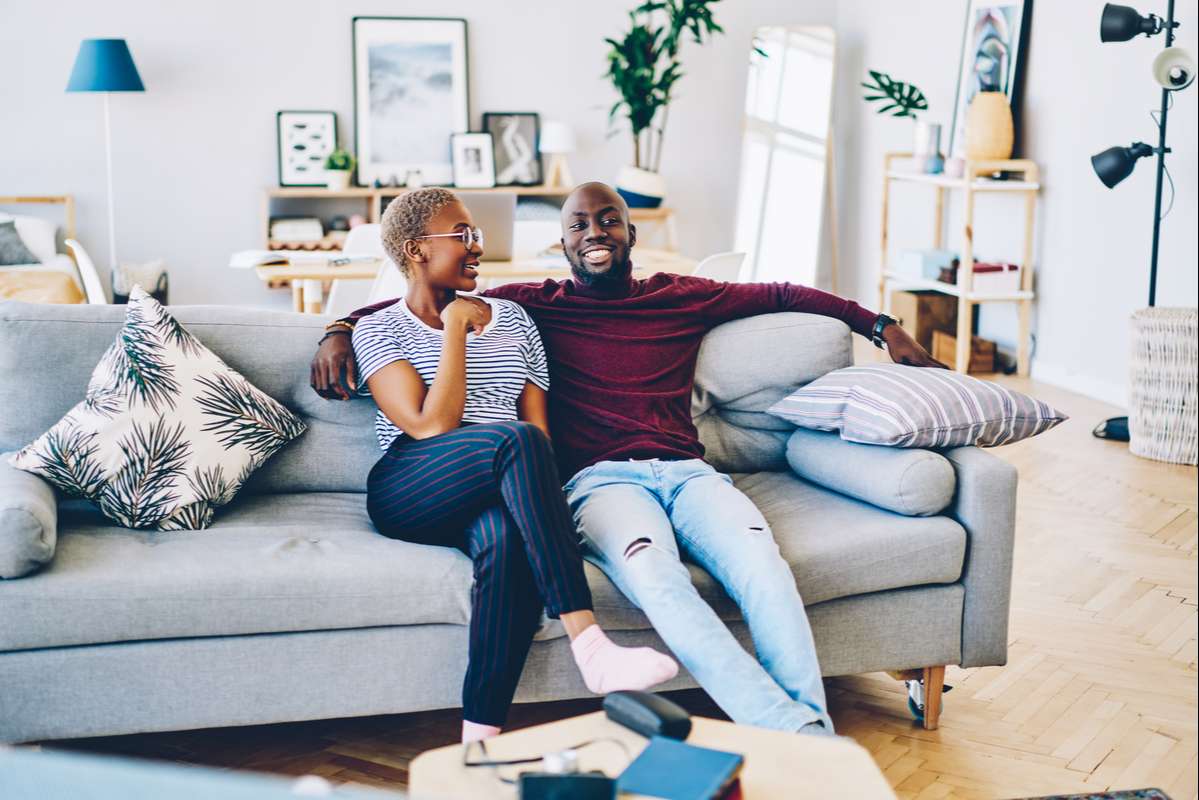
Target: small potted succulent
[[338, 167]]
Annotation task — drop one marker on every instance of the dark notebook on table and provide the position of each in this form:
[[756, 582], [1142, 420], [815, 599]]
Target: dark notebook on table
[[676, 770]]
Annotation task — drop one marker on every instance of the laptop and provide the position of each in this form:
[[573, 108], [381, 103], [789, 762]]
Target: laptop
[[495, 214]]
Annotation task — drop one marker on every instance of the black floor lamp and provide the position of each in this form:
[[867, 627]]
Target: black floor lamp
[[1174, 69]]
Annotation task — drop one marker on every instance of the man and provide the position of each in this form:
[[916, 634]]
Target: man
[[622, 356]]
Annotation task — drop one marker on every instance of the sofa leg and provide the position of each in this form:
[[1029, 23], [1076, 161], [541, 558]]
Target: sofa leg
[[934, 682]]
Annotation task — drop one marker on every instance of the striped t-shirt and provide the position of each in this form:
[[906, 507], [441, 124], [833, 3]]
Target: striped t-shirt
[[499, 361]]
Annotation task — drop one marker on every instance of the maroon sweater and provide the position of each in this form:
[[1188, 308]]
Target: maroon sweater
[[622, 363]]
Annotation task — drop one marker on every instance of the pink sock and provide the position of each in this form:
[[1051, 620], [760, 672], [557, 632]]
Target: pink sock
[[608, 667], [474, 731]]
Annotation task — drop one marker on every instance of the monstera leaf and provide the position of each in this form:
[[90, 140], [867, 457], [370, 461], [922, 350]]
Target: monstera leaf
[[899, 98]]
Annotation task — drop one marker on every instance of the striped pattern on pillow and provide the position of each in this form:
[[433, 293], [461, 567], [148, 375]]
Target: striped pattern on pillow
[[902, 406]]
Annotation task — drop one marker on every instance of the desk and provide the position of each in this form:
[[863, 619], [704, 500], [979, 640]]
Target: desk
[[645, 262], [777, 765]]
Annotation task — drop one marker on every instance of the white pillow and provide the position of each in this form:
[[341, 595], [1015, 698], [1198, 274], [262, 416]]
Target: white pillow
[[36, 233], [167, 432]]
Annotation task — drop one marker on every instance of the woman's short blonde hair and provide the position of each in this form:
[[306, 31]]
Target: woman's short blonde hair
[[407, 217]]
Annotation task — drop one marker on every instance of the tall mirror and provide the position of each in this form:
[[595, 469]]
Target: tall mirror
[[781, 201]]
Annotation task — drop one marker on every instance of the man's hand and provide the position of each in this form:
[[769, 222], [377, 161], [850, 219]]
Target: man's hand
[[906, 350], [334, 354]]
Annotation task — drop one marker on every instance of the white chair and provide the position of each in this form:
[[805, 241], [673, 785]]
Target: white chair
[[92, 288], [388, 283], [345, 296], [720, 267]]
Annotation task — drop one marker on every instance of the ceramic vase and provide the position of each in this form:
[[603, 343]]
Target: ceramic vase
[[989, 128]]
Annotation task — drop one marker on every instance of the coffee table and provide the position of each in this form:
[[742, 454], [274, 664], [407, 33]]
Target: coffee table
[[776, 764]]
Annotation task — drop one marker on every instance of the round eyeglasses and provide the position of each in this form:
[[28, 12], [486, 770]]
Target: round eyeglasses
[[468, 236]]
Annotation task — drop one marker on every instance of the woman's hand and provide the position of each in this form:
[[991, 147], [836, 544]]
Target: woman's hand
[[466, 314], [906, 350], [334, 355]]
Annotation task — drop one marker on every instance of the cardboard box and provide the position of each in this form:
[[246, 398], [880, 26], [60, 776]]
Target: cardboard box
[[982, 352], [921, 313]]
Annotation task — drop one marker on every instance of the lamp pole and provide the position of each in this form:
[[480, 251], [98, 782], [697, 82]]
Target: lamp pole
[[112, 235], [1161, 164]]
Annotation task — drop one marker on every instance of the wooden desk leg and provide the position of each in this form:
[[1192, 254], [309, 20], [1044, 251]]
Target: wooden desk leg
[[1022, 347], [934, 683], [313, 296], [297, 296]]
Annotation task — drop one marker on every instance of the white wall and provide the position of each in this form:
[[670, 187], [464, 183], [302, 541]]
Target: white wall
[[1081, 96], [193, 154]]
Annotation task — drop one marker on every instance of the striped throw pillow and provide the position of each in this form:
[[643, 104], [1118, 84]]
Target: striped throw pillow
[[902, 406]]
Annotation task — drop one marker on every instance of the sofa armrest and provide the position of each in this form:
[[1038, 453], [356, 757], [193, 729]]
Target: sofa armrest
[[985, 505], [916, 483], [28, 521]]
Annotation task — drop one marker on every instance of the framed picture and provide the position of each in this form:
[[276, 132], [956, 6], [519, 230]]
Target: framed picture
[[474, 162], [410, 95], [517, 138], [306, 138], [992, 60]]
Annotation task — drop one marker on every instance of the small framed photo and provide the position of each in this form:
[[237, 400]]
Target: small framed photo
[[474, 161], [516, 137], [305, 138]]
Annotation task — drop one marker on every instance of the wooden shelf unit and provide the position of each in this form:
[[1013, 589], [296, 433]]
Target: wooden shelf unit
[[974, 180], [373, 200]]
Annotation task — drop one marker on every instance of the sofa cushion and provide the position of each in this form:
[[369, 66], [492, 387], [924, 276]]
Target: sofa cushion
[[28, 521], [904, 406], [313, 561], [917, 483], [167, 432]]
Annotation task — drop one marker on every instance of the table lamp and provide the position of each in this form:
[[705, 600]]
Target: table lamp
[[106, 65], [557, 139]]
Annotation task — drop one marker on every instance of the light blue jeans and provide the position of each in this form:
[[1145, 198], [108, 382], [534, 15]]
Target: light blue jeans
[[638, 519]]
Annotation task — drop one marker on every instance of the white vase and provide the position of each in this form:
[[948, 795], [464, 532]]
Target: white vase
[[337, 180], [640, 188]]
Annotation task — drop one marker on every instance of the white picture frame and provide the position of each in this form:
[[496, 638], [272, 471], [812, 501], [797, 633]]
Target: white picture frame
[[473, 160], [304, 139], [410, 96]]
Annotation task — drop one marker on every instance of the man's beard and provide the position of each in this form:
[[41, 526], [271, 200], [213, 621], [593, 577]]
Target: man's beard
[[617, 274]]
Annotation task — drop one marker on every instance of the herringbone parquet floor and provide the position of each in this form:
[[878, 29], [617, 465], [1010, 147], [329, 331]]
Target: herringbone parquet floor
[[1099, 691]]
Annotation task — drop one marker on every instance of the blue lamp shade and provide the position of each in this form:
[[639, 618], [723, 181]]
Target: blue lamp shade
[[104, 65]]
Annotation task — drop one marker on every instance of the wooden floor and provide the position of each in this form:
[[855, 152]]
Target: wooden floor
[[1099, 691]]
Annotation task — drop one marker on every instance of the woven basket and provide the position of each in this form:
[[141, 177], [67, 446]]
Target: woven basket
[[1163, 410]]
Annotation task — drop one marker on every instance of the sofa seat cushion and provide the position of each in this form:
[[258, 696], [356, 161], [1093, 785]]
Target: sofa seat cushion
[[837, 547], [313, 561], [269, 563]]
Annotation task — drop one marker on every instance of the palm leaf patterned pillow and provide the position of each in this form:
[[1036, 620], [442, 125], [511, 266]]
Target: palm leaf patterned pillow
[[167, 432]]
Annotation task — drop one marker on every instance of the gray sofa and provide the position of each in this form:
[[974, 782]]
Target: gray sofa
[[291, 607]]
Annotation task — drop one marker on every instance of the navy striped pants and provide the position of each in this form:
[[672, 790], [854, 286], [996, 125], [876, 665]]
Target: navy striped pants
[[491, 490]]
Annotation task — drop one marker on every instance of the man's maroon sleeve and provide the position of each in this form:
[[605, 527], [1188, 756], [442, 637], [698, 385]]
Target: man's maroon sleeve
[[358, 314], [729, 301]]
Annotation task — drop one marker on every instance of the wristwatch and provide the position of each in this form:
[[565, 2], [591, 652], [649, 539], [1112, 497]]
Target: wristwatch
[[876, 333]]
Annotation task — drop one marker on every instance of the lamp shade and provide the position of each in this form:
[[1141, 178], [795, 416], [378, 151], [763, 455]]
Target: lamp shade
[[1116, 163], [1121, 23], [556, 137], [104, 65]]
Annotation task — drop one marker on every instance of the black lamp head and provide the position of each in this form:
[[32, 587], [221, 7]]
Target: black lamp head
[[1116, 163], [1121, 23]]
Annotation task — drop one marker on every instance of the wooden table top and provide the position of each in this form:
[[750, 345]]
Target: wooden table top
[[776, 764], [645, 261]]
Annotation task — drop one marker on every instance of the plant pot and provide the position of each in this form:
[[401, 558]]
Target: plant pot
[[989, 129], [640, 188], [337, 179]]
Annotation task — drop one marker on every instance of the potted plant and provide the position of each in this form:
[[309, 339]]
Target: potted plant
[[338, 167], [904, 100], [644, 67]]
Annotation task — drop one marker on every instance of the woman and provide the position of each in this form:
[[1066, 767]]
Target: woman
[[460, 386]]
